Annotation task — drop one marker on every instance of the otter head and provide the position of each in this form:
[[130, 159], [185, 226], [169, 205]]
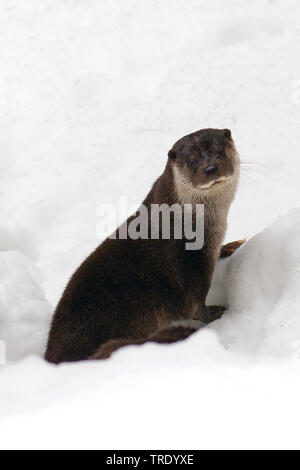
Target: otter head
[[204, 160]]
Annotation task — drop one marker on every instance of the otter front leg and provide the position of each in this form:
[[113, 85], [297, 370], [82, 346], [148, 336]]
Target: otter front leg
[[207, 314], [199, 283], [200, 311], [210, 313], [230, 248]]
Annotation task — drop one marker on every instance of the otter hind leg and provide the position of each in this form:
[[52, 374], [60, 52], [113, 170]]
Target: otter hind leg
[[166, 335], [230, 248], [106, 349], [172, 334]]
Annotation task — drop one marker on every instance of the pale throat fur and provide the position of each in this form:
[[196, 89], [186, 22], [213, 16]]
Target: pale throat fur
[[216, 200]]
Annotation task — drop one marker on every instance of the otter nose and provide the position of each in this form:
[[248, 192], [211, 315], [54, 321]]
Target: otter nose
[[211, 170]]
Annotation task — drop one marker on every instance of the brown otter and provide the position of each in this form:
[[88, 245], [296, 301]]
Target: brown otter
[[129, 291]]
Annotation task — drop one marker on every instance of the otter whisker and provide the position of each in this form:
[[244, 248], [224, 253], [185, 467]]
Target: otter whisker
[[252, 167]]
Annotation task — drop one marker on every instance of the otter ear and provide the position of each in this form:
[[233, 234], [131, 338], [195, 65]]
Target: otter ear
[[172, 154], [227, 133]]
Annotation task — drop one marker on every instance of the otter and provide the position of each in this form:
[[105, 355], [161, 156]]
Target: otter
[[129, 291]]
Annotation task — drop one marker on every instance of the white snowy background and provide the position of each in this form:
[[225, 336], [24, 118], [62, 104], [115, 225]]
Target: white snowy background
[[92, 96]]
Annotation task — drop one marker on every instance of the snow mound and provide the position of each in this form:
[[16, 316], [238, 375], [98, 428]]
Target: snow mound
[[260, 283], [24, 311]]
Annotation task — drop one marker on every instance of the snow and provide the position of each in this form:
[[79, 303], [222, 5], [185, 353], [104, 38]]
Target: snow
[[92, 96], [24, 311]]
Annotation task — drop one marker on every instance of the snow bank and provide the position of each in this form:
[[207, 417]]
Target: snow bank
[[24, 311], [192, 395], [260, 284], [91, 98]]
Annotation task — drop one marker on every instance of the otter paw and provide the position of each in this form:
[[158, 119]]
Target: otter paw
[[211, 313], [230, 248]]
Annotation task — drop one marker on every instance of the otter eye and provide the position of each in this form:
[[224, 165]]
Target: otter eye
[[191, 163]]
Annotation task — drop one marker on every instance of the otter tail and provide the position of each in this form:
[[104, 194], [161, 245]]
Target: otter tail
[[167, 335]]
